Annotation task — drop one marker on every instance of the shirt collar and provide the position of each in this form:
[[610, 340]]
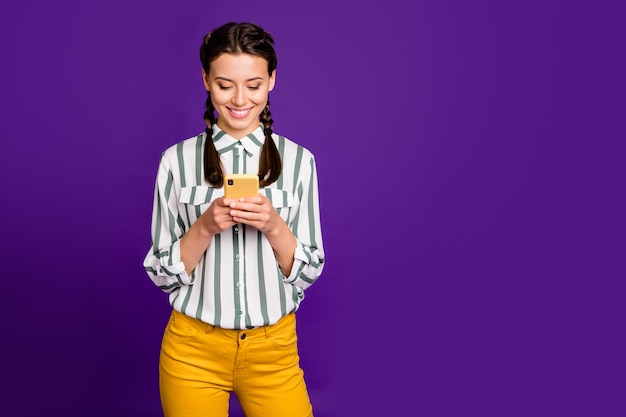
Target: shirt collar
[[252, 143]]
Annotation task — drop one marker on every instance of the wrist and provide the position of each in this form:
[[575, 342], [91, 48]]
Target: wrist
[[276, 226], [203, 230]]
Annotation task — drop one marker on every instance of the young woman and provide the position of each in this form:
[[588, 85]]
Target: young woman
[[235, 270]]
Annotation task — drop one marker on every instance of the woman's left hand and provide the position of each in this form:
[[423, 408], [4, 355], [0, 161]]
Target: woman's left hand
[[255, 211], [259, 212]]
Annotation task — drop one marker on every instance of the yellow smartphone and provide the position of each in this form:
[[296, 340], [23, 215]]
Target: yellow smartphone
[[241, 185]]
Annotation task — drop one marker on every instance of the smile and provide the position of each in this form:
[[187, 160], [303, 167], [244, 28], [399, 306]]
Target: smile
[[240, 113]]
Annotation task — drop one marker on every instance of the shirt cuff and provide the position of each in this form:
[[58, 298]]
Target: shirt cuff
[[177, 268], [299, 258]]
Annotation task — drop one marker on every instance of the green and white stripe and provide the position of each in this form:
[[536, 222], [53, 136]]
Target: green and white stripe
[[237, 283]]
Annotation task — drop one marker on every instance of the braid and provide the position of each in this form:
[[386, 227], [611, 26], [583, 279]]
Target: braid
[[270, 165], [240, 38], [209, 112], [213, 172]]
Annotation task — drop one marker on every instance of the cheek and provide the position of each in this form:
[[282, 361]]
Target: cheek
[[259, 97], [218, 97]]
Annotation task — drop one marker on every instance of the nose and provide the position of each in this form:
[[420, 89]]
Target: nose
[[239, 97]]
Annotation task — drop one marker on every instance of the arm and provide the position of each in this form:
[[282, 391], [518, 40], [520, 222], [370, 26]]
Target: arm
[[306, 226], [297, 245], [195, 242], [175, 252], [162, 262], [259, 213]]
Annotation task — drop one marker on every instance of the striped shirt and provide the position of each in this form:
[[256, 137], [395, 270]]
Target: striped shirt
[[237, 284]]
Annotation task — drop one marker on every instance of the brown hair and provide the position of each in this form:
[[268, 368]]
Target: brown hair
[[237, 38]]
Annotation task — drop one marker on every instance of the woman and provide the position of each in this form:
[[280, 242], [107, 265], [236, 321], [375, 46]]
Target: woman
[[235, 270]]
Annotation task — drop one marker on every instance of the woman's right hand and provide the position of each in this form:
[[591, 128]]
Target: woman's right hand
[[217, 217], [214, 220]]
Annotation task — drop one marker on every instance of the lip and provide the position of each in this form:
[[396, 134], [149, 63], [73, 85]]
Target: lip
[[239, 113]]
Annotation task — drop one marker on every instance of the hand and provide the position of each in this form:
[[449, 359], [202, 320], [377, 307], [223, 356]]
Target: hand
[[257, 212], [217, 217]]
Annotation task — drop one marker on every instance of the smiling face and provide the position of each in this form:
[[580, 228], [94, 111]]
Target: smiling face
[[239, 85]]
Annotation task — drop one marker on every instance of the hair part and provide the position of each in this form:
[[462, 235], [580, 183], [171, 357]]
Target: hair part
[[238, 38]]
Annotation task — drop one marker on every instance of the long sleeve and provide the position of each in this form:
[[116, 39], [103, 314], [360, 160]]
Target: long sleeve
[[163, 262], [306, 226], [238, 282]]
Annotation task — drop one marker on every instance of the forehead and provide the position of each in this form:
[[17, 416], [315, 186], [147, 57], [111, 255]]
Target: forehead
[[239, 66]]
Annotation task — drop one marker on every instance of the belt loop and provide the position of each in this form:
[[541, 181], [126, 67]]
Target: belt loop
[[208, 328]]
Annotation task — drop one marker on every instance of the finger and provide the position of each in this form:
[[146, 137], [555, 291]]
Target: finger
[[253, 200], [237, 214], [248, 215], [244, 206], [246, 221]]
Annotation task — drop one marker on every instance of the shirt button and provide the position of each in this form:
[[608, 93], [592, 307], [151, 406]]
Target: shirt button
[[237, 285], [236, 229], [243, 336], [239, 313], [237, 256]]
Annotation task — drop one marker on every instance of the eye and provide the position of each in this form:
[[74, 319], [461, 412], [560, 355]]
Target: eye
[[223, 87], [254, 87]]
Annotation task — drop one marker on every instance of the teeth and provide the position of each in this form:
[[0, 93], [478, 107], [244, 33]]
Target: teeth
[[240, 112]]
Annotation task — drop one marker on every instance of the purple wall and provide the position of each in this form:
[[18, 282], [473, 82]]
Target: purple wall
[[471, 161]]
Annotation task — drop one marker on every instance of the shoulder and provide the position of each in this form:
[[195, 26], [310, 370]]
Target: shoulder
[[289, 148], [184, 147]]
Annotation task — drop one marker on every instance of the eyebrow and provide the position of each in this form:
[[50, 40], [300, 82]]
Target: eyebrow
[[229, 80]]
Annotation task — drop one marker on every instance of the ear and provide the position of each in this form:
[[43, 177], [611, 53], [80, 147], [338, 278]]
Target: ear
[[272, 80], [205, 80]]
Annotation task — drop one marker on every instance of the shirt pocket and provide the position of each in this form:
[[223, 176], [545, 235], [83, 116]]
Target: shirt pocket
[[282, 200], [199, 195]]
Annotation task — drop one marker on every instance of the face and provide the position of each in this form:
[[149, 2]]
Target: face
[[239, 85]]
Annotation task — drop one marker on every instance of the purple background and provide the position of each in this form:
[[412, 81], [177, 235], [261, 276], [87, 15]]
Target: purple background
[[471, 163]]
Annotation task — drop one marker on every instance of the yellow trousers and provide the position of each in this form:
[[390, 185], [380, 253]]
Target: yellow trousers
[[201, 364]]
